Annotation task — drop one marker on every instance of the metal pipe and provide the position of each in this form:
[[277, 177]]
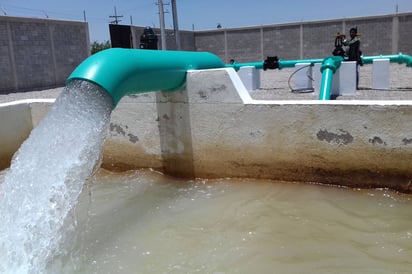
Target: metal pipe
[[126, 71]]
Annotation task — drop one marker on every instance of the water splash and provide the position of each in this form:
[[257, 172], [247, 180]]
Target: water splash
[[46, 176]]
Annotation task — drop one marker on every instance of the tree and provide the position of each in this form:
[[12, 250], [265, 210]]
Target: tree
[[96, 46]]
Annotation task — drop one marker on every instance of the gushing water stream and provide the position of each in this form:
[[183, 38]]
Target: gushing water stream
[[47, 174]]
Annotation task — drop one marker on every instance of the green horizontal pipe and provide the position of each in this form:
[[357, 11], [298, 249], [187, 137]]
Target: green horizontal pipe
[[292, 63], [394, 58], [281, 64], [126, 71], [237, 66], [397, 58]]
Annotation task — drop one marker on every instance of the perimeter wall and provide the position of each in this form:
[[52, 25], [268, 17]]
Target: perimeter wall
[[39, 53], [386, 34]]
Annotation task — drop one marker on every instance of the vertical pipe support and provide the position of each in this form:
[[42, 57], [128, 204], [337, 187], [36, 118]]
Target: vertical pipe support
[[329, 66]]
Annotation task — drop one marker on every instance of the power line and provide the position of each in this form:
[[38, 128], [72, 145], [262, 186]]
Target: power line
[[115, 16]]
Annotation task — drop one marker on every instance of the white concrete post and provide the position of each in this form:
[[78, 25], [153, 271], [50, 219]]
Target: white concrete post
[[380, 74], [303, 76], [250, 77], [347, 78]]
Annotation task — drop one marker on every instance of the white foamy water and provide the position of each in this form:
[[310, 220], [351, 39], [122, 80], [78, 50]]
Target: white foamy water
[[47, 174]]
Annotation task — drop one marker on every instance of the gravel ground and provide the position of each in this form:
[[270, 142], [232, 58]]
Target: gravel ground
[[274, 86]]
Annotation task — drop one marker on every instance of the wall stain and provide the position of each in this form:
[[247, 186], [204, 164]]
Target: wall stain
[[377, 141], [202, 94], [407, 141], [122, 131], [117, 128], [219, 88], [341, 138], [256, 133], [133, 138]]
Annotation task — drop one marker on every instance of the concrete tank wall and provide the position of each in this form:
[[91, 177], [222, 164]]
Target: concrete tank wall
[[212, 128], [39, 53]]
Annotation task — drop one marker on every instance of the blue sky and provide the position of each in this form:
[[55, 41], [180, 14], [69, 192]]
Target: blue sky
[[199, 14]]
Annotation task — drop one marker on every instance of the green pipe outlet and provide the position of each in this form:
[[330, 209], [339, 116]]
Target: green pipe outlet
[[126, 71], [329, 66], [395, 58]]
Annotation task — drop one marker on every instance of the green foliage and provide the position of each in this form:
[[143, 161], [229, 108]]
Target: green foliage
[[96, 46]]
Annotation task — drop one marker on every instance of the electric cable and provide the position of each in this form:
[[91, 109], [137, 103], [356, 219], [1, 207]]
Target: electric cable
[[308, 74]]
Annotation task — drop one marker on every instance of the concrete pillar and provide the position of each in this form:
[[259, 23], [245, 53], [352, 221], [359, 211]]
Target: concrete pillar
[[250, 77], [347, 78], [395, 34], [380, 74], [301, 41], [303, 76], [11, 56]]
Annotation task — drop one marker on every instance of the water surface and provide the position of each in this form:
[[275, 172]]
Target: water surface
[[145, 222]]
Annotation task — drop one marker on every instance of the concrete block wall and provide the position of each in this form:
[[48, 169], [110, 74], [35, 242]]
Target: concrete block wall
[[39, 53], [318, 38], [243, 45], [386, 34], [187, 41], [282, 41], [404, 33]]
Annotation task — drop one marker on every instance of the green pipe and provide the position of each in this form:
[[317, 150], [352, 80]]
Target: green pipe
[[395, 58], [293, 63], [126, 71], [278, 64], [237, 66], [329, 66]]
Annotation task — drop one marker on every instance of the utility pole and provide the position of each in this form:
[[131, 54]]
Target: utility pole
[[115, 16], [176, 25], [162, 24]]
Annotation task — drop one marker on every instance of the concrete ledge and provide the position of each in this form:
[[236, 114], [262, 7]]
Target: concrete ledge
[[17, 120], [212, 128]]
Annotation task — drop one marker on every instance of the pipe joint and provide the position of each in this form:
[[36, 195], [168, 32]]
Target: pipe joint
[[407, 59], [332, 63]]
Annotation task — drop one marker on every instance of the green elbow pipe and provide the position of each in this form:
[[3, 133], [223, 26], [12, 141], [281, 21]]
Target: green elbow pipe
[[394, 58], [329, 66], [126, 71]]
